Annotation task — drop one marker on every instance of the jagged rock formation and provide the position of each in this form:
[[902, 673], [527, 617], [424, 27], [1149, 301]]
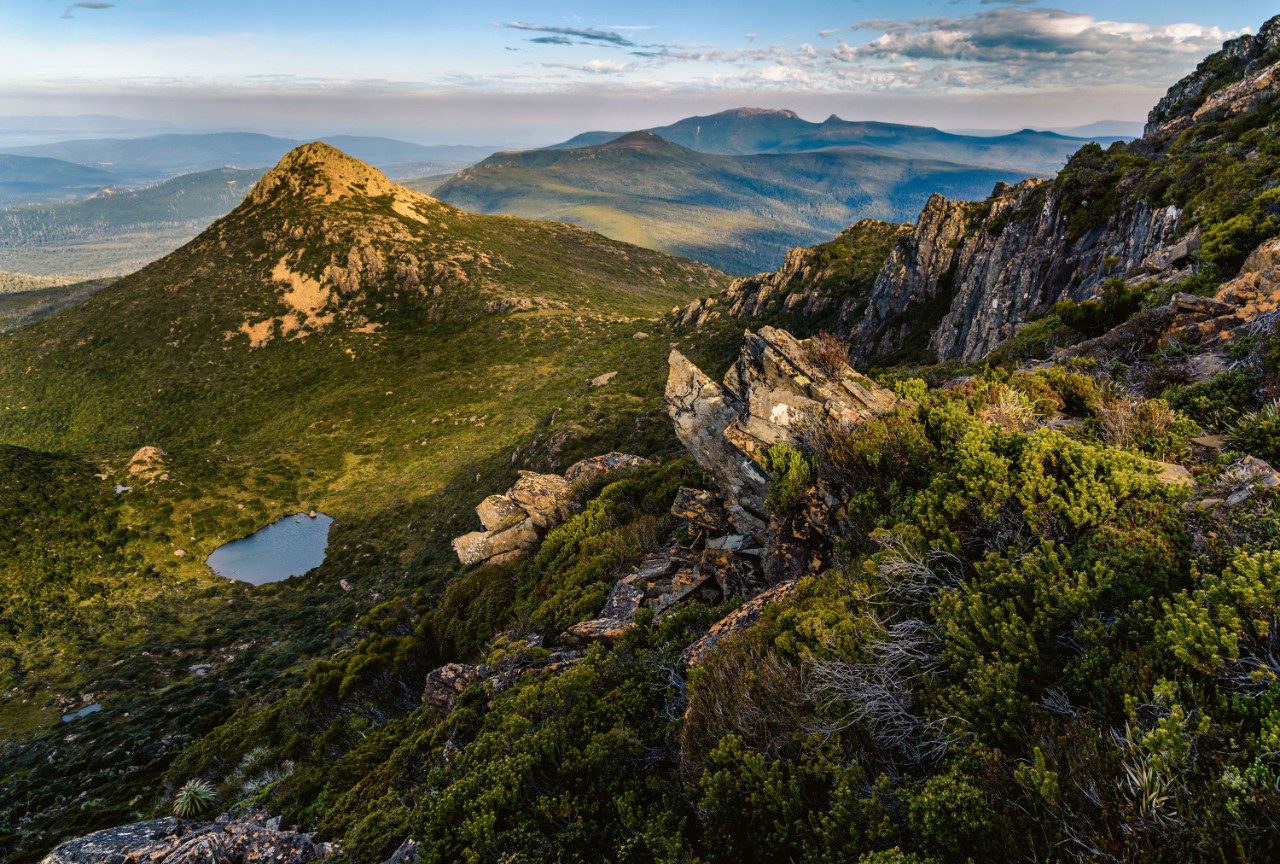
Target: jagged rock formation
[[180, 841], [1248, 305], [1002, 278], [739, 619], [714, 565], [826, 281], [1239, 58], [919, 269], [515, 521], [777, 387]]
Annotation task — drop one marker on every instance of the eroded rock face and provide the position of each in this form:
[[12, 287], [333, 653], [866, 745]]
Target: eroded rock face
[[967, 276], [919, 270], [180, 841], [777, 387]]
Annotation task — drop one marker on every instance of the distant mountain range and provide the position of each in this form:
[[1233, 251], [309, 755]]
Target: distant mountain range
[[734, 189], [159, 157], [739, 188], [22, 130], [749, 131]]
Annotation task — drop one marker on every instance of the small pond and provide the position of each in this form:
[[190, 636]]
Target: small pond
[[83, 712], [286, 548]]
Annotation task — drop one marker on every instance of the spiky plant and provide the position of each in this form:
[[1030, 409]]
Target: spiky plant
[[1258, 433], [193, 798]]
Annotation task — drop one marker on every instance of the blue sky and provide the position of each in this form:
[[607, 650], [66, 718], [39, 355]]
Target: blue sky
[[505, 71]]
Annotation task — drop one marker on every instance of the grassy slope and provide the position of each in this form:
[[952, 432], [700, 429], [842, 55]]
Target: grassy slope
[[740, 213], [395, 432]]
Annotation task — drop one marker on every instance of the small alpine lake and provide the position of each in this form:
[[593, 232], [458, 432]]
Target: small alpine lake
[[288, 547]]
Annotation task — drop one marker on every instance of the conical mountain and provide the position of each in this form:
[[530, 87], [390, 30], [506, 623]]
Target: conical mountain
[[328, 310]]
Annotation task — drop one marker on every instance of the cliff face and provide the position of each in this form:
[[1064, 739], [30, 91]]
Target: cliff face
[[1021, 260], [967, 275]]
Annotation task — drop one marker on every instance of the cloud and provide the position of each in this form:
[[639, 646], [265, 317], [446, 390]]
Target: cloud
[[593, 67], [1001, 35], [828, 33], [588, 34], [69, 12], [1028, 48]]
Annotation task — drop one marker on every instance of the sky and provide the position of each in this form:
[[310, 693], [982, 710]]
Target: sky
[[524, 72]]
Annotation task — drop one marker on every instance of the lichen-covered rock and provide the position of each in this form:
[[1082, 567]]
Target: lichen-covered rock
[[514, 522], [775, 390], [180, 841], [1248, 303], [545, 497], [739, 619], [445, 684], [702, 510], [595, 467], [614, 619], [480, 546], [498, 512], [702, 411]]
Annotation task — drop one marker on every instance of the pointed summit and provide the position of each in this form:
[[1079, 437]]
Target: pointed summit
[[320, 171]]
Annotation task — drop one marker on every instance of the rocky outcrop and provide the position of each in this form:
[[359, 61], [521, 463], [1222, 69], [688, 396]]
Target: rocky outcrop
[[148, 465], [967, 276], [776, 388], [828, 281], [515, 521], [1003, 278], [710, 565], [180, 841], [1249, 478], [445, 684], [595, 467], [1248, 304], [739, 619], [1191, 97]]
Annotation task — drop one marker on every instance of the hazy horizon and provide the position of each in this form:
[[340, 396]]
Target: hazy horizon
[[499, 73]]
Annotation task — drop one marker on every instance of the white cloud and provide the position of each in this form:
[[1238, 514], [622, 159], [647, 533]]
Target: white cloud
[[593, 67]]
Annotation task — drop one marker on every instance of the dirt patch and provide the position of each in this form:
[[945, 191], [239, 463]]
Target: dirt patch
[[306, 296]]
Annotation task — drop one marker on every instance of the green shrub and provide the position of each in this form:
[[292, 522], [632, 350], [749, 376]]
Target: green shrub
[[1258, 433], [792, 477], [1218, 402]]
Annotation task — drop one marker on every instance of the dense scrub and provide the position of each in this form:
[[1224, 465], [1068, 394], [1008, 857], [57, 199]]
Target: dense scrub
[[1030, 647]]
